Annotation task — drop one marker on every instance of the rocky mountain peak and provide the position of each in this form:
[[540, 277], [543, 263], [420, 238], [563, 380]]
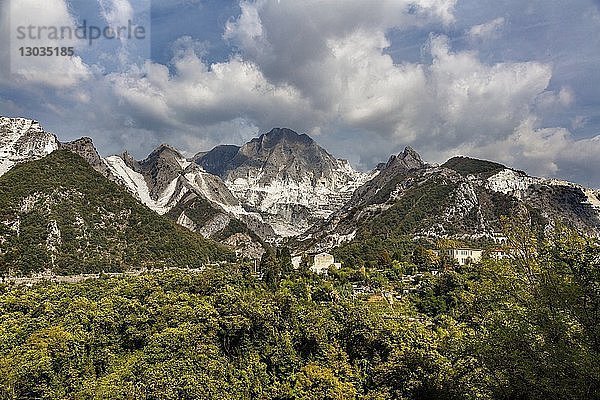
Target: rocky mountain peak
[[283, 135], [408, 159], [282, 150], [21, 140], [85, 148], [286, 177], [130, 160], [164, 156], [13, 129], [19, 126], [165, 152], [410, 152], [161, 167], [217, 160]]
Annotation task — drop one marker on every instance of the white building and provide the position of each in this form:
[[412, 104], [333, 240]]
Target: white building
[[296, 261], [500, 239], [464, 255], [499, 254], [322, 262]]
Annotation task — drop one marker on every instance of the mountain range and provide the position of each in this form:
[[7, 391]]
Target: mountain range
[[464, 198], [282, 187]]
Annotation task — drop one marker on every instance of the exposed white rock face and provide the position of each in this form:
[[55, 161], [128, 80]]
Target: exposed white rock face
[[165, 180], [286, 177], [593, 198], [185, 221], [280, 183], [465, 200], [161, 186], [213, 188], [511, 182], [381, 189], [214, 225], [292, 206], [137, 185], [284, 184], [459, 200], [517, 184], [23, 140]]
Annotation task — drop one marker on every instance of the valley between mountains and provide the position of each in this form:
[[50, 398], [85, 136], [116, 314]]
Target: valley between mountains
[[63, 203]]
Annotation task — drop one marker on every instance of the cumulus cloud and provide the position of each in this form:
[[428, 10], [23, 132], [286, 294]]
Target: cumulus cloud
[[342, 78], [57, 72], [488, 30], [121, 13], [542, 151], [116, 12], [290, 40], [475, 101], [455, 103], [197, 94], [324, 67], [340, 65]]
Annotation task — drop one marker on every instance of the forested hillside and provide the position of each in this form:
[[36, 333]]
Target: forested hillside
[[526, 328], [59, 214]]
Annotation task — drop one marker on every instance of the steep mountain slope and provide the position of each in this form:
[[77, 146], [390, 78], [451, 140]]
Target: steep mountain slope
[[218, 159], [85, 148], [170, 185], [286, 177], [464, 198], [59, 214], [155, 180], [283, 184], [23, 140], [165, 181]]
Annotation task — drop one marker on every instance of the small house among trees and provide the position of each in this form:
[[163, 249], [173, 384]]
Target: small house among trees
[[322, 262], [463, 255]]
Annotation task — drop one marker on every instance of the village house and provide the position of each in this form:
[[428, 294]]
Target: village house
[[322, 262], [499, 238], [296, 261], [463, 255], [499, 254]]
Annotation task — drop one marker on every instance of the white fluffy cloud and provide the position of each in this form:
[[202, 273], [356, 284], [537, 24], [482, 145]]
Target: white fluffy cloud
[[324, 67], [338, 61], [57, 72], [338, 73], [488, 30], [197, 94], [292, 41], [475, 101], [542, 151], [116, 12]]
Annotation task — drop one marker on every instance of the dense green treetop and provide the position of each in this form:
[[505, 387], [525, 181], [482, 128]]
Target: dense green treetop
[[524, 328]]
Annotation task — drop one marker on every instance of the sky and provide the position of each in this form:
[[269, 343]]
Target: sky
[[513, 81]]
